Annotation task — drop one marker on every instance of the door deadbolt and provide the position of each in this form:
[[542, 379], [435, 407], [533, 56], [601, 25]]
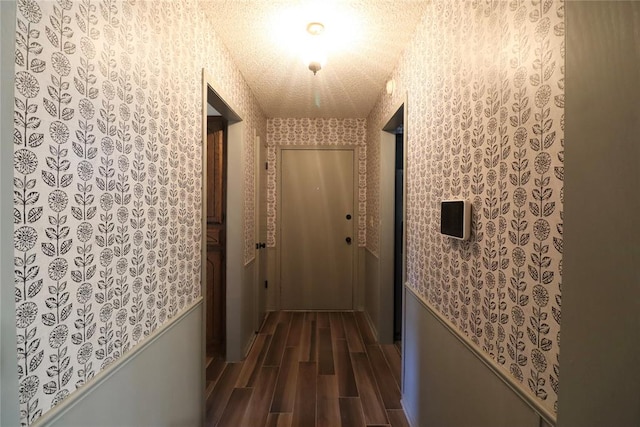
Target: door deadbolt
[[348, 240], [348, 216]]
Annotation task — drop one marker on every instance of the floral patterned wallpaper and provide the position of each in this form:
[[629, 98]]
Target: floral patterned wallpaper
[[485, 84], [306, 131], [107, 178]]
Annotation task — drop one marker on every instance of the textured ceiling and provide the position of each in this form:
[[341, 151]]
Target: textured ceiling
[[363, 41]]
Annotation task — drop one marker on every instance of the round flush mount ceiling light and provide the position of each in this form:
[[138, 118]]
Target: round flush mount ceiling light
[[315, 28]]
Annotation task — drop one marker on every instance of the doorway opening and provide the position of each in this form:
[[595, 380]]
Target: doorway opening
[[221, 143], [398, 225], [216, 174], [392, 262]]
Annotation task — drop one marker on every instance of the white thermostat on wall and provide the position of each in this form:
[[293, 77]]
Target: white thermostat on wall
[[455, 218]]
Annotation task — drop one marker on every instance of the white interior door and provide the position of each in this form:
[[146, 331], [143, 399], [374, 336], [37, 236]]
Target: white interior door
[[317, 229]]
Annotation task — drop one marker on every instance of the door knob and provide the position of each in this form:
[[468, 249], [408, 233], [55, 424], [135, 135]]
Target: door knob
[[348, 240]]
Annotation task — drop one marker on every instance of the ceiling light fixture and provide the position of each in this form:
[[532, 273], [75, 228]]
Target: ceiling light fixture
[[315, 57], [315, 28]]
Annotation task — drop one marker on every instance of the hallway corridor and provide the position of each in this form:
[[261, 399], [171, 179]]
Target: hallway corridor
[[307, 369]]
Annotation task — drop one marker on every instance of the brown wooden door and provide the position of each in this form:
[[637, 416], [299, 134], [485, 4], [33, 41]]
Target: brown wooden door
[[216, 209]]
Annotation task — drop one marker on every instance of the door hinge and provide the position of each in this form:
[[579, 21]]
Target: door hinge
[[266, 284]]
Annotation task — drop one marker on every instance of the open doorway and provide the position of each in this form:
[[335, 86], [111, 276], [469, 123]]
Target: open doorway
[[398, 228], [392, 238], [215, 213], [392, 195], [222, 167], [216, 176]]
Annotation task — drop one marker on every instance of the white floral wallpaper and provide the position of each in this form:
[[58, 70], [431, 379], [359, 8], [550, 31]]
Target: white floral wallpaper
[[485, 84], [307, 131], [107, 178]]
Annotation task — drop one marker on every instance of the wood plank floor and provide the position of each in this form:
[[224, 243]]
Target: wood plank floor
[[310, 369]]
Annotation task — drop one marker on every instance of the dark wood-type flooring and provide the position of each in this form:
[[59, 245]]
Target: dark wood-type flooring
[[307, 369]]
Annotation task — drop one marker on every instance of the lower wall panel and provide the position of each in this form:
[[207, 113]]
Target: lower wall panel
[[445, 384], [241, 314], [372, 289], [160, 386]]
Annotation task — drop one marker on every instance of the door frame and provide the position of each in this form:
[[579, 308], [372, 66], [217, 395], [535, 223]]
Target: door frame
[[261, 256], [355, 285], [234, 264], [387, 216]]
